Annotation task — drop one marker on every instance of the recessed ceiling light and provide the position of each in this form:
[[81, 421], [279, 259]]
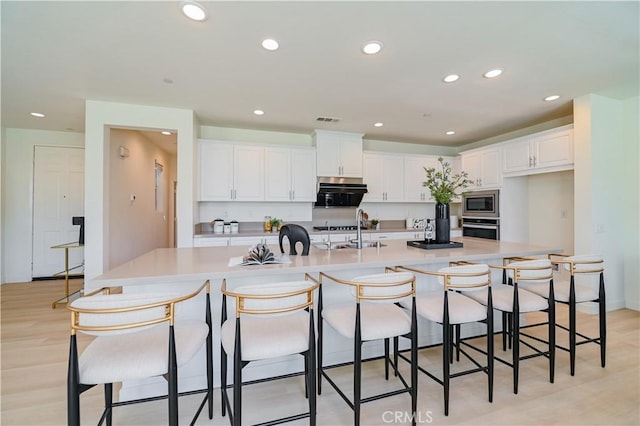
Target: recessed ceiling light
[[37, 114], [193, 10], [378, 124], [450, 132], [258, 112], [270, 44], [166, 133], [552, 98], [372, 47], [451, 78], [493, 73]]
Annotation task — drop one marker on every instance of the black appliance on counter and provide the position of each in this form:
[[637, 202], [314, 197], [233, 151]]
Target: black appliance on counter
[[340, 192]]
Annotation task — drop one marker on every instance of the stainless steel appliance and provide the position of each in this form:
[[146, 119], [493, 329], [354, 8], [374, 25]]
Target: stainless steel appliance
[[481, 227], [483, 204], [340, 192]]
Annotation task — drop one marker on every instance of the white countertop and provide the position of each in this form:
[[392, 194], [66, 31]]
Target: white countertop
[[200, 263]]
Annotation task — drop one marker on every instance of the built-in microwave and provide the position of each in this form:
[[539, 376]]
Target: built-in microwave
[[481, 204]]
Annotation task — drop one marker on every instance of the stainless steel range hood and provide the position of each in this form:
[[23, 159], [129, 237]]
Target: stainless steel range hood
[[340, 192]]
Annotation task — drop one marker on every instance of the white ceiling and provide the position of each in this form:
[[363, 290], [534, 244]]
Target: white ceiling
[[55, 55]]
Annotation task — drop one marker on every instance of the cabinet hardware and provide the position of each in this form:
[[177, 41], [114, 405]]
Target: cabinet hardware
[[534, 161], [530, 161]]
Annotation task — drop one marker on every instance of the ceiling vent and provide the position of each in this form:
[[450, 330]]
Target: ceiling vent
[[328, 119]]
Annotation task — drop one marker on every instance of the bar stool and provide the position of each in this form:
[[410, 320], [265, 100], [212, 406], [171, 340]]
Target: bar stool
[[271, 320], [512, 301], [136, 336], [577, 290], [450, 308], [375, 315]]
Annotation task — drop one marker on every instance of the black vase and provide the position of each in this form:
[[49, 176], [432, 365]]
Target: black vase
[[443, 229]]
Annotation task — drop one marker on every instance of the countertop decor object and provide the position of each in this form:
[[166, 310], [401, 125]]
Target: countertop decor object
[[444, 186]]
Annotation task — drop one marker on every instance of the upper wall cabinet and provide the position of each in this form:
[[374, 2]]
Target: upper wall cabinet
[[383, 176], [540, 153], [414, 175], [290, 174], [339, 154], [231, 172], [483, 167]]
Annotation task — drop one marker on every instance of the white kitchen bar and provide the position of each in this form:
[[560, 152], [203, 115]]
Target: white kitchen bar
[[182, 269]]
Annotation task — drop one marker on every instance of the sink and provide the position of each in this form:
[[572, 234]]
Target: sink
[[345, 245]]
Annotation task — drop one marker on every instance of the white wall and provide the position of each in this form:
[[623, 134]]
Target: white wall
[[3, 135], [17, 194], [99, 118], [551, 212], [135, 226], [601, 187], [631, 210]]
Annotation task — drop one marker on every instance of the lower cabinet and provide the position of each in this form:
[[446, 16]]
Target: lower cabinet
[[211, 242]]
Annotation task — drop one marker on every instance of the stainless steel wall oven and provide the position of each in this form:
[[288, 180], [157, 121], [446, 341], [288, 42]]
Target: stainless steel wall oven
[[481, 214]]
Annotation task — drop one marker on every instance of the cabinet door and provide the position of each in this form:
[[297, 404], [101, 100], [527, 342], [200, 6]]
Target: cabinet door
[[491, 171], [414, 175], [393, 178], [373, 178], [328, 155], [211, 242], [471, 164], [554, 150], [248, 176], [303, 175], [351, 156], [277, 174], [216, 171], [518, 156]]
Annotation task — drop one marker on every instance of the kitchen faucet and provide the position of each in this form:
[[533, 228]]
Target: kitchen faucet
[[358, 239]]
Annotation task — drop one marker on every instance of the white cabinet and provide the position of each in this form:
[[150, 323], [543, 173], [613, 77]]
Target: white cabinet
[[252, 241], [540, 153], [338, 153], [211, 242], [383, 175], [290, 174], [414, 175], [483, 167], [230, 172]]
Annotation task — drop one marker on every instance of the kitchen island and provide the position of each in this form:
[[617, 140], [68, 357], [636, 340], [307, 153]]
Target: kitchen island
[[183, 269]]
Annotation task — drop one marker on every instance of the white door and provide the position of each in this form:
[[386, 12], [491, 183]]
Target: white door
[[58, 195]]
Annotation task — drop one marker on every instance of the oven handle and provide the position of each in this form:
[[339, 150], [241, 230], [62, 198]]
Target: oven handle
[[480, 226]]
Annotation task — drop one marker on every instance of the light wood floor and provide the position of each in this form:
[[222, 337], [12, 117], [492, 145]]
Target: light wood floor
[[34, 363]]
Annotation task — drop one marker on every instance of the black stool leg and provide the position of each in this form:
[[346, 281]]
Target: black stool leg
[[173, 379], [572, 326], [603, 321], [237, 378], [552, 333], [395, 356], [73, 387], [386, 358], [108, 401], [357, 369]]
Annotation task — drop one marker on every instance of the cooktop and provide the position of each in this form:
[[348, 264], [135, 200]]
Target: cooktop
[[337, 228]]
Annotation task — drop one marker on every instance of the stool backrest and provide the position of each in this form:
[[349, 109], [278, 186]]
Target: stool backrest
[[584, 264], [272, 298], [465, 277], [390, 287], [530, 271], [106, 314]]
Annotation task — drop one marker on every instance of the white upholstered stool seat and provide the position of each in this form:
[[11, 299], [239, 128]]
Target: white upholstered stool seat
[[113, 359], [259, 335], [561, 290], [503, 299], [462, 309], [379, 321]]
